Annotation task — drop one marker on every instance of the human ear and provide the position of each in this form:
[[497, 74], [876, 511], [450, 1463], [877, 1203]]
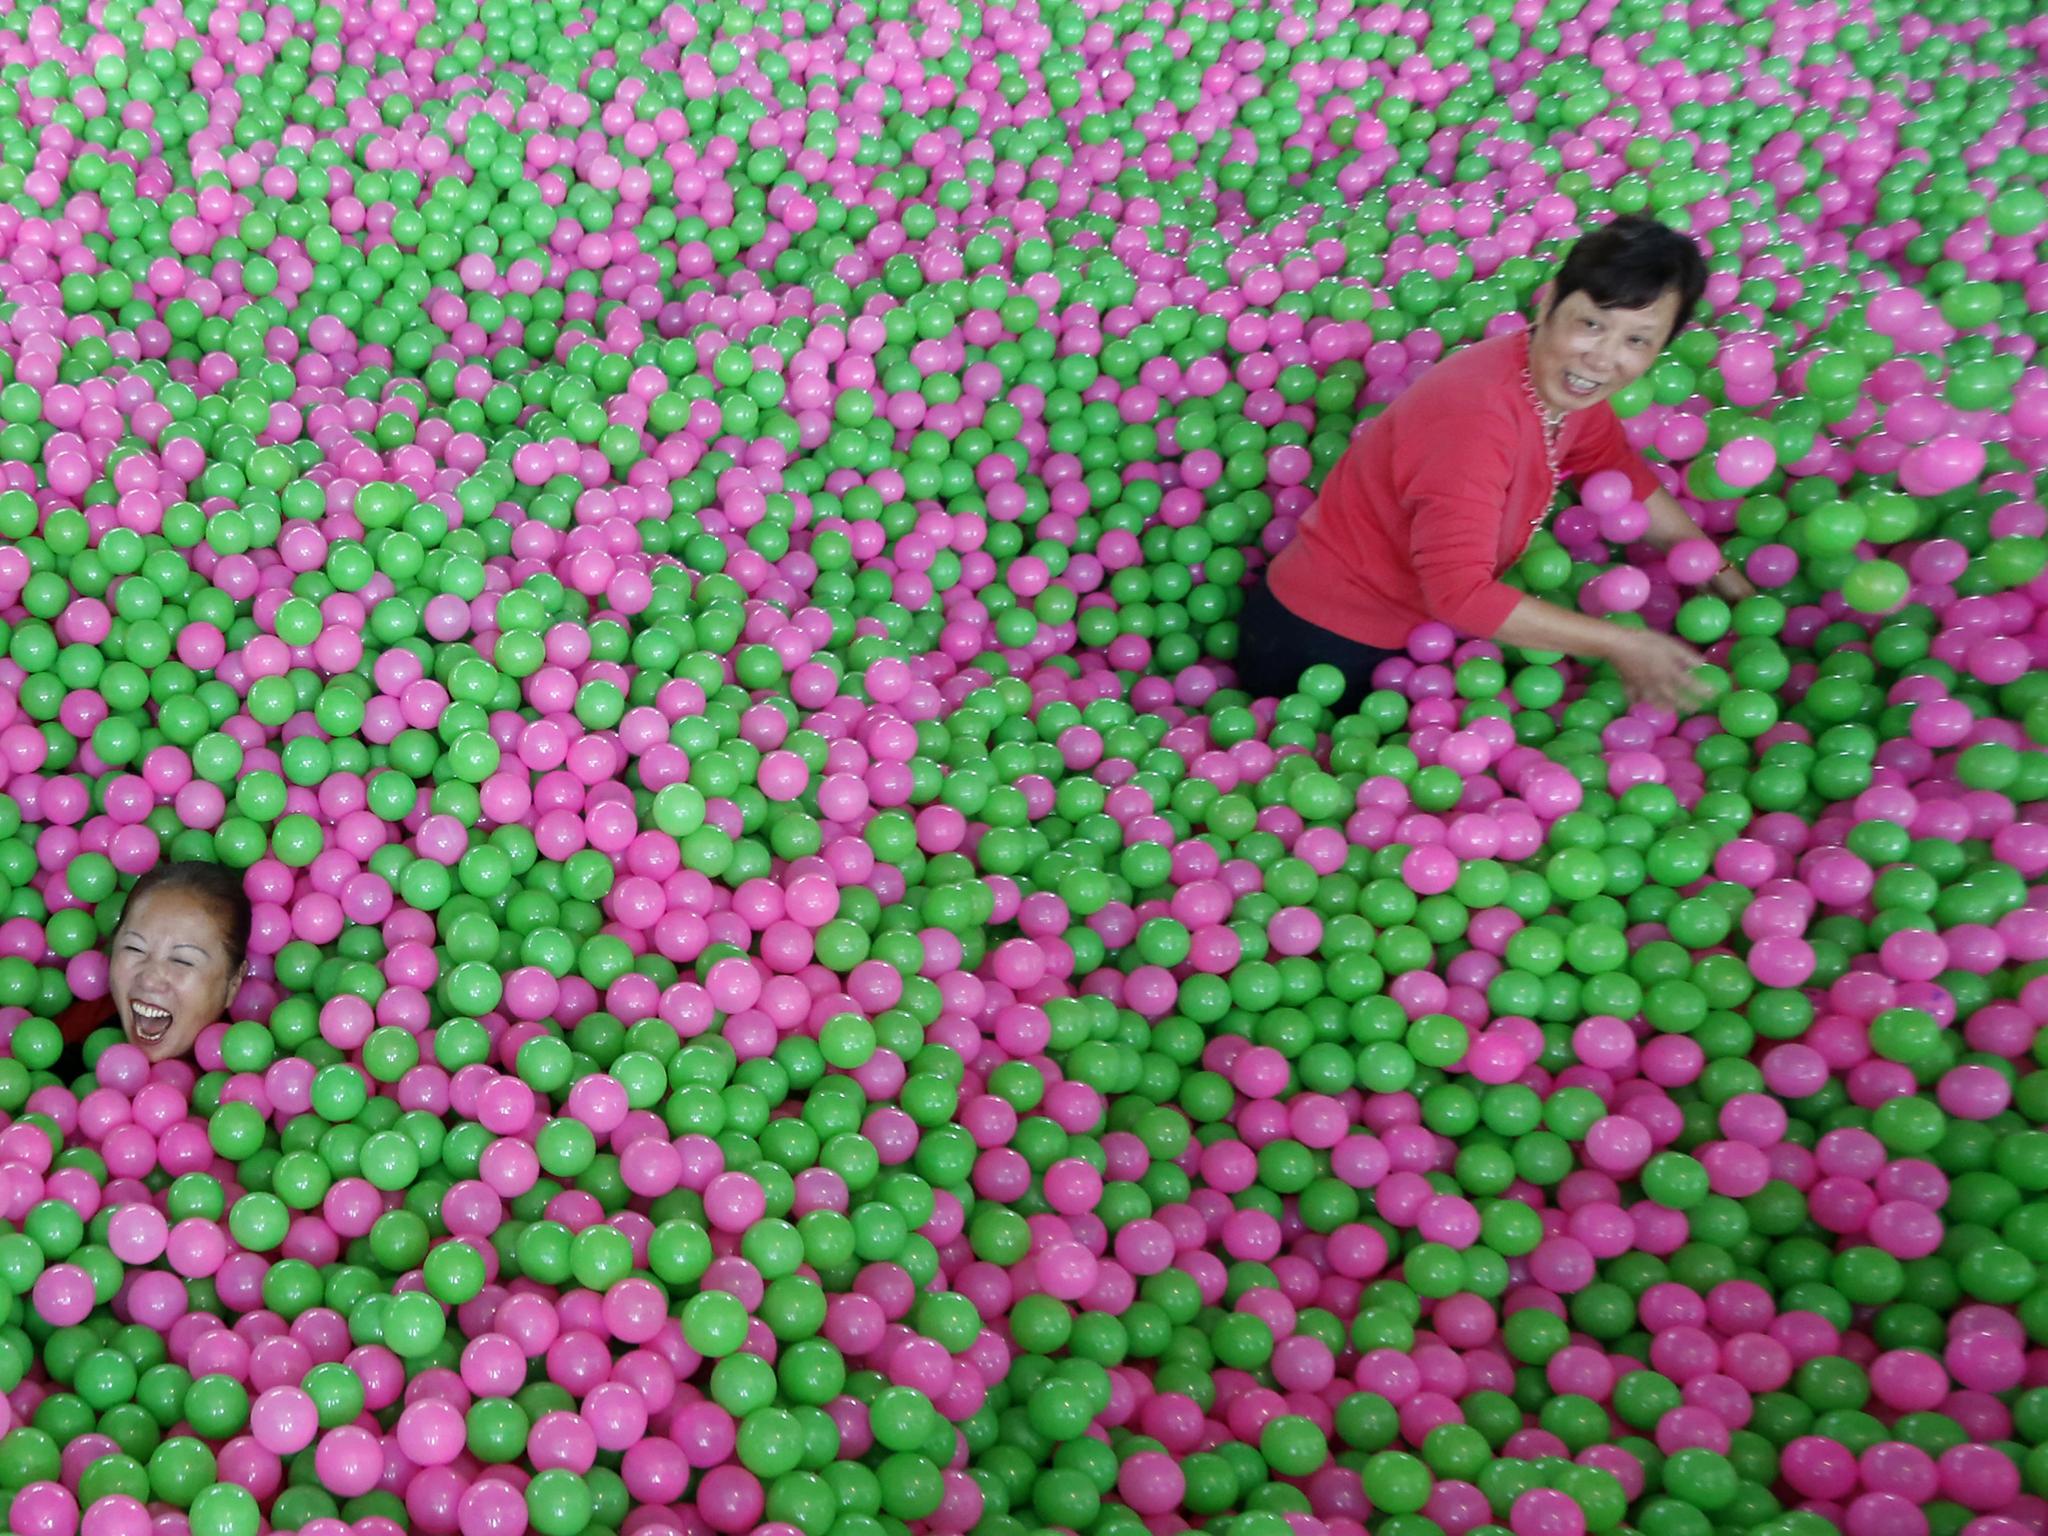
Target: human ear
[[240, 975]]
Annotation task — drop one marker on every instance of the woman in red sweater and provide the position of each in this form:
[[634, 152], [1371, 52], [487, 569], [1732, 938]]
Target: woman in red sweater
[[1443, 491]]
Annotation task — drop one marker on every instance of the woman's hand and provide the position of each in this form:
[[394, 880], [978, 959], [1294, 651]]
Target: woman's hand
[[1656, 669], [1730, 584]]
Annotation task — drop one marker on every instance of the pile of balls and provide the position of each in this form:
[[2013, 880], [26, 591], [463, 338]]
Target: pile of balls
[[690, 556]]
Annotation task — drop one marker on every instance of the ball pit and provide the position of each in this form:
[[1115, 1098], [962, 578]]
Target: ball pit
[[689, 555]]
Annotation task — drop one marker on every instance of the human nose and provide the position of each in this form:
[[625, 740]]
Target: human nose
[[1609, 355]]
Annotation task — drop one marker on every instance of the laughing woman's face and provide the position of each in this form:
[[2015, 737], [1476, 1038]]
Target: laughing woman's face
[[171, 972]]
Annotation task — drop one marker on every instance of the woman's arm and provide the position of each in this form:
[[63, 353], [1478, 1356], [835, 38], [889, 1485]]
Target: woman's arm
[[1455, 498], [1671, 524], [1654, 668], [1535, 625], [1602, 444]]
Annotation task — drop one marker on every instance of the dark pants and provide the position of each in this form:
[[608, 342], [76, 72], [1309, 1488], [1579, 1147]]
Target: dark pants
[[1275, 646]]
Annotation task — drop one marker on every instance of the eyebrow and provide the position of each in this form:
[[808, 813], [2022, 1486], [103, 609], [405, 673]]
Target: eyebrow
[[131, 937]]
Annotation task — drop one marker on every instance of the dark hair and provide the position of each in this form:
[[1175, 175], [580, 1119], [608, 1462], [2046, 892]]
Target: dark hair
[[1630, 263], [211, 883]]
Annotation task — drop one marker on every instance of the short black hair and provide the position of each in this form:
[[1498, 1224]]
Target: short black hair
[[213, 883], [1630, 263]]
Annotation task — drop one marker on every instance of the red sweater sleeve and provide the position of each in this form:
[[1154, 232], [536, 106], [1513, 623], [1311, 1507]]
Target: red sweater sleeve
[[83, 1017], [1602, 444], [1456, 497]]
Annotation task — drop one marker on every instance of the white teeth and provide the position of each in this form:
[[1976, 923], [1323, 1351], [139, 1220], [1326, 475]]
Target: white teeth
[[151, 1022], [1580, 385]]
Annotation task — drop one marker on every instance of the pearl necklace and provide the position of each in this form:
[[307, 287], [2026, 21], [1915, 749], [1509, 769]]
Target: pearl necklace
[[1552, 424]]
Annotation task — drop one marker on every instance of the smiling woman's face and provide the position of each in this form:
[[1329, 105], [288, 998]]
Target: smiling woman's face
[[170, 972], [1582, 354]]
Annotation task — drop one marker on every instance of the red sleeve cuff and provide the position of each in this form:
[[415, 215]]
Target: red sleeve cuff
[[1607, 446], [1482, 615], [1641, 478]]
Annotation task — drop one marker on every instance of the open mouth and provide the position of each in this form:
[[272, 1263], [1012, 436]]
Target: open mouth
[[151, 1022], [1579, 385]]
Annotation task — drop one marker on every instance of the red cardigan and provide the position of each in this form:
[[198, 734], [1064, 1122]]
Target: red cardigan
[[85, 1016], [1436, 498]]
